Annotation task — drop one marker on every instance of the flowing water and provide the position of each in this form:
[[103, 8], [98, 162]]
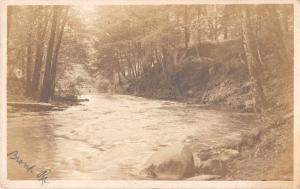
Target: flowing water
[[111, 136]]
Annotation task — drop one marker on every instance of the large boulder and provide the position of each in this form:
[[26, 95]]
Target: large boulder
[[170, 163], [213, 166]]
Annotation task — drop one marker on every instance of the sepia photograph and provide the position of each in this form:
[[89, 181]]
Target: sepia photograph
[[149, 92]]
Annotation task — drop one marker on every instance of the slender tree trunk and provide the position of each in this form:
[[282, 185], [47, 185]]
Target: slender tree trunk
[[28, 70], [46, 88], [257, 46], [279, 33], [39, 52], [119, 62], [9, 19], [23, 66], [198, 25], [164, 61], [224, 22], [215, 33], [225, 28], [186, 29], [283, 20], [11, 65], [259, 100], [56, 52], [29, 51], [134, 64], [198, 32], [225, 32]]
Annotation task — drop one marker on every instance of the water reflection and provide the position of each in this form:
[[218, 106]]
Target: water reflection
[[32, 135], [110, 137]]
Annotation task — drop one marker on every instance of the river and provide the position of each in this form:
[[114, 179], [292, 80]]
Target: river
[[111, 136]]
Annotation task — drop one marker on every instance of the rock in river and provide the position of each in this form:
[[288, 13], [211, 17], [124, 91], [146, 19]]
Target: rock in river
[[170, 163]]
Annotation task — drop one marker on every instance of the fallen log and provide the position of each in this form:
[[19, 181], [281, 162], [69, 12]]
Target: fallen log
[[35, 105], [70, 99]]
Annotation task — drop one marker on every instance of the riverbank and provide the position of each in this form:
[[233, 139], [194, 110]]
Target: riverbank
[[264, 153], [271, 158], [218, 76], [222, 80]]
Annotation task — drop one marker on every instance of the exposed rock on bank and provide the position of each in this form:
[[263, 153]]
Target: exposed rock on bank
[[263, 148], [170, 163]]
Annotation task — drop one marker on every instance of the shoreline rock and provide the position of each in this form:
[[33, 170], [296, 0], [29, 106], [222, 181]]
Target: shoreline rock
[[170, 163]]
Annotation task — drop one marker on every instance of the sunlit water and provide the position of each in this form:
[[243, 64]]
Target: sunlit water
[[111, 136]]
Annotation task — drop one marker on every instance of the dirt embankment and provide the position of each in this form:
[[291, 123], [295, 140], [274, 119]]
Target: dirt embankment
[[216, 75]]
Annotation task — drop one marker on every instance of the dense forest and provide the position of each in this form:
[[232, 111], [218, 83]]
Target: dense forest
[[229, 57], [168, 51]]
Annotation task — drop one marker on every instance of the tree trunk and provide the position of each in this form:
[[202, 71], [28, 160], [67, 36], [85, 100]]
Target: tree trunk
[[198, 32], [283, 23], [225, 28], [39, 52], [256, 38], [9, 19], [279, 33], [186, 29], [45, 93], [56, 52], [225, 32], [224, 21], [198, 25], [28, 70], [258, 96]]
